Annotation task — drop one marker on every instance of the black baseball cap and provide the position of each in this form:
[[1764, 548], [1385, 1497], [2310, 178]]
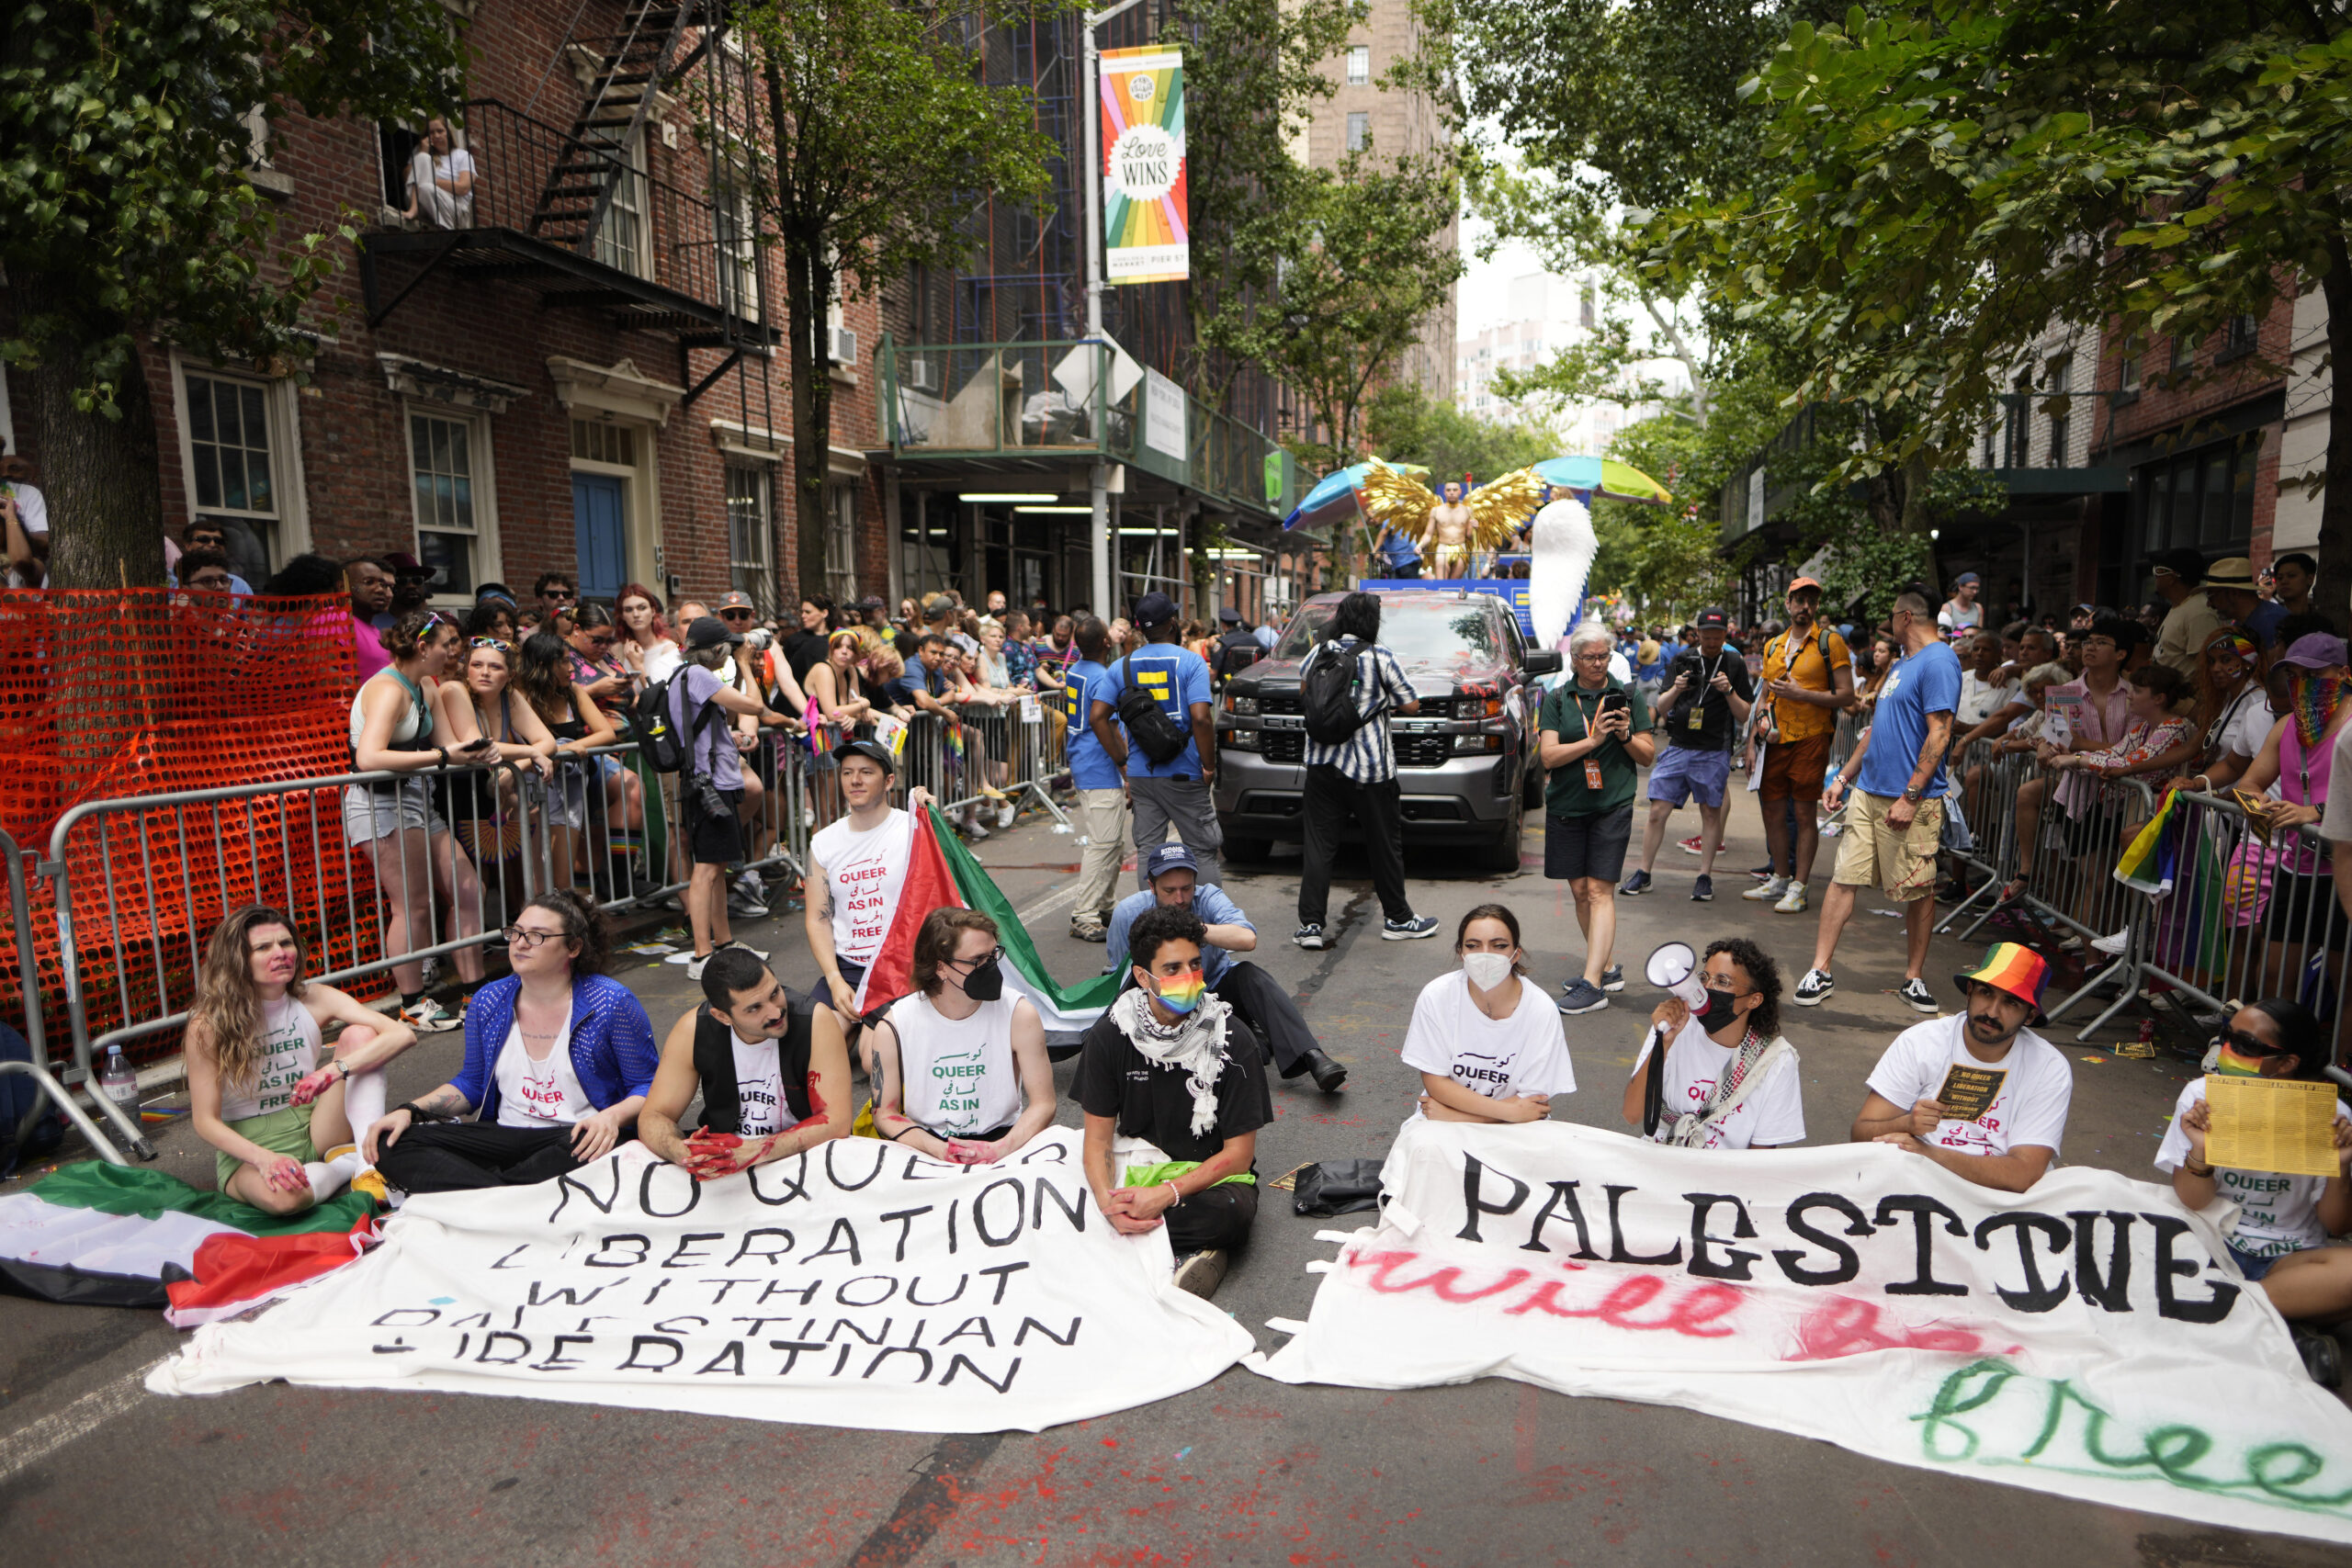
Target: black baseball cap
[[1229, 615], [872, 751], [710, 631], [1712, 620], [1155, 609]]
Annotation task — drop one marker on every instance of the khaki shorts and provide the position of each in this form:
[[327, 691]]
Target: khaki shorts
[[1902, 863]]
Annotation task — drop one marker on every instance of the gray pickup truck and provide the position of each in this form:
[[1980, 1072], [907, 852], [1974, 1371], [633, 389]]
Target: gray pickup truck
[[1465, 763]]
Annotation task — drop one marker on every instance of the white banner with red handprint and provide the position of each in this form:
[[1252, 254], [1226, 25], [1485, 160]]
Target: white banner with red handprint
[[2090, 1338]]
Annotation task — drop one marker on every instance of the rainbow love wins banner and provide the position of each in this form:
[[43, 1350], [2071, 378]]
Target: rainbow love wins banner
[[1146, 236]]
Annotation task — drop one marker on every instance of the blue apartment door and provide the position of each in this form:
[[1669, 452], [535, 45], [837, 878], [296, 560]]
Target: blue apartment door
[[598, 521]]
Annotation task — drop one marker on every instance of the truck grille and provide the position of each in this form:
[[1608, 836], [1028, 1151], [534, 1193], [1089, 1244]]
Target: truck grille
[[1287, 745], [1423, 750], [1277, 702]]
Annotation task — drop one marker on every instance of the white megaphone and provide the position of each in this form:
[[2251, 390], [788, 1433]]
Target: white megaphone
[[1674, 966]]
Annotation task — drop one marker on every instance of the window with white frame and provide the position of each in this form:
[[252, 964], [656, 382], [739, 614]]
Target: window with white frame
[[737, 224], [448, 463], [840, 542], [235, 464], [1359, 132], [748, 511], [2059, 381], [621, 240], [1359, 65]]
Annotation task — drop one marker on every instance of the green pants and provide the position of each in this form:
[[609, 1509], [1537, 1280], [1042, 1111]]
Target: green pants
[[286, 1131]]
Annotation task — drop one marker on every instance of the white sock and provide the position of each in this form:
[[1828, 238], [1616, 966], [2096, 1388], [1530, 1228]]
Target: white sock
[[326, 1180], [363, 1101]]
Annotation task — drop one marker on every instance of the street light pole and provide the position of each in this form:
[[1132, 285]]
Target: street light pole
[[1099, 482]]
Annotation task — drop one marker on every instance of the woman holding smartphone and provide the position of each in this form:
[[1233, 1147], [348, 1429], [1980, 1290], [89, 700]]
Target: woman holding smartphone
[[1594, 735], [398, 727]]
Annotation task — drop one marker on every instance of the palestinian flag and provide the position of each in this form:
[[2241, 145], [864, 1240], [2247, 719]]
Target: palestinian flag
[[100, 1235], [942, 872]]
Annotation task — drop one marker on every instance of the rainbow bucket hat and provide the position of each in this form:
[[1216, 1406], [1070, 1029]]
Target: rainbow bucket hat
[[2011, 967]]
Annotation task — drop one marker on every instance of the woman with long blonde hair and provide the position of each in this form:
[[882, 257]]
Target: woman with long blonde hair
[[257, 1088]]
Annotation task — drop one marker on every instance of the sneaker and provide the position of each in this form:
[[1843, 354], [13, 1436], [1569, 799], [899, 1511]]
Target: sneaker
[[974, 832], [1089, 931], [1612, 980], [1310, 938], [1813, 989], [1793, 902], [1915, 993], [1637, 882], [1006, 813], [758, 953], [1767, 891], [1581, 996], [2114, 946], [1760, 871], [1690, 846], [746, 907], [1410, 929], [694, 966], [1703, 890], [1199, 1274], [429, 1017]]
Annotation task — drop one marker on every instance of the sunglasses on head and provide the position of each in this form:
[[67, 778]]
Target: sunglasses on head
[[489, 642]]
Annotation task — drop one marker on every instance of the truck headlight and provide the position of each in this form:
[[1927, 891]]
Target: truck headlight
[[1241, 704], [1241, 740], [1464, 744]]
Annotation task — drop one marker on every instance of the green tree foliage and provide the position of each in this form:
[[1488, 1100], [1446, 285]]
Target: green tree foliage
[[1948, 182], [880, 131], [124, 151], [1405, 425]]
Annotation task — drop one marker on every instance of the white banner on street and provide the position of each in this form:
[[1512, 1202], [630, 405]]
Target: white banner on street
[[2090, 1338], [857, 1285]]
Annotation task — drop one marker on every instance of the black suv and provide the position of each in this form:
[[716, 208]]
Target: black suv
[[1465, 763]]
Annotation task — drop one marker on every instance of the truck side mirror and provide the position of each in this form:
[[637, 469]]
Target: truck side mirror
[[1541, 661]]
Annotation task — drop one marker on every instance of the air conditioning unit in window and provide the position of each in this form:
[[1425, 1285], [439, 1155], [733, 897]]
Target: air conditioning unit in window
[[920, 373], [844, 346]]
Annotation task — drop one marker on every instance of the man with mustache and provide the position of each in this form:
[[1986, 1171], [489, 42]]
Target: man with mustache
[[1978, 1093]]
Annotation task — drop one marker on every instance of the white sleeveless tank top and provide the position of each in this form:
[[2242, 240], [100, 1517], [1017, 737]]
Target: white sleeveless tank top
[[957, 1073], [289, 1053]]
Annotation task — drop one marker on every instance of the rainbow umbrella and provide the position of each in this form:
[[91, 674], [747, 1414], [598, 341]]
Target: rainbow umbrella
[[1602, 476], [1335, 497]]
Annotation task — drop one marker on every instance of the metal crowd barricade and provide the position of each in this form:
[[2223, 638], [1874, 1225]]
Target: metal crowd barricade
[[36, 1036], [989, 757], [168, 865]]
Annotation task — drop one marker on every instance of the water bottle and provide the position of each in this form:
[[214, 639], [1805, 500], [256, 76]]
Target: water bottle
[[117, 1081]]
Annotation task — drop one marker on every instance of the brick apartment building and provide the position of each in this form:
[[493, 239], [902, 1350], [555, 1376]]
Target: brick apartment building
[[584, 372]]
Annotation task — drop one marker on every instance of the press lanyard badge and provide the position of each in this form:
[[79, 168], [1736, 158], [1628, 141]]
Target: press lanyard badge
[[1591, 774], [1699, 714], [1592, 779]]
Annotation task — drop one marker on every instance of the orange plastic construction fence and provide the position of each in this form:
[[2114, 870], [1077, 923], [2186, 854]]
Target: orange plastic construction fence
[[114, 695]]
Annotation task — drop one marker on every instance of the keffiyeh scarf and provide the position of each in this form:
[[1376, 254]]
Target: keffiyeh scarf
[[1195, 1042]]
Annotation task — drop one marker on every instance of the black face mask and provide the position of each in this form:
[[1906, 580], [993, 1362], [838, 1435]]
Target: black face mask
[[1720, 1007], [986, 982]]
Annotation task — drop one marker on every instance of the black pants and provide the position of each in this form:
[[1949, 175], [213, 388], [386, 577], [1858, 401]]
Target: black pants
[[457, 1156], [1331, 798], [1219, 1218], [1271, 1016]]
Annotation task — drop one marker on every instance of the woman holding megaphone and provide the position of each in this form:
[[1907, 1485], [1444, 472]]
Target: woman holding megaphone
[[1716, 1073]]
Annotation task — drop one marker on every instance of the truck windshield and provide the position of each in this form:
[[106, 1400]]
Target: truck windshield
[[1436, 630]]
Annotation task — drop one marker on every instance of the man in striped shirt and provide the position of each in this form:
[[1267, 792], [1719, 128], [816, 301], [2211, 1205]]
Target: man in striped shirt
[[1356, 778]]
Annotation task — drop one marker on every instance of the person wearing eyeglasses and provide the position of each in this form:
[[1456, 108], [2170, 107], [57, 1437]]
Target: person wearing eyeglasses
[[559, 1058], [962, 1068], [2280, 1236]]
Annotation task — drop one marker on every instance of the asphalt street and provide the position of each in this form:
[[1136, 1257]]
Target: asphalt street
[[95, 1470]]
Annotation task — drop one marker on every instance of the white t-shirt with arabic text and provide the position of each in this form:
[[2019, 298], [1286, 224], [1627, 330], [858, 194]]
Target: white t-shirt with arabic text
[[2029, 1107], [1771, 1115]]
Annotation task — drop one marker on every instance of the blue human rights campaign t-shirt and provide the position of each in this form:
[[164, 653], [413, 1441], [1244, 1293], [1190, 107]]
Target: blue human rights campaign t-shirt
[[1089, 765], [1926, 683], [1177, 678]]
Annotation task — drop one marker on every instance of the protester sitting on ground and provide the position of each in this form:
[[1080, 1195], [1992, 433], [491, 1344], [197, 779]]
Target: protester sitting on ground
[[397, 728], [1172, 878], [1487, 1045], [1174, 1093], [558, 1058], [2232, 718], [770, 1067], [278, 1120], [1730, 1080], [2279, 1236], [963, 1073], [856, 866], [2008, 1087], [1592, 735], [1896, 822]]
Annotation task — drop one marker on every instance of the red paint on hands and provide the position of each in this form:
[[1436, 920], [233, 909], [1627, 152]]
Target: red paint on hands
[[314, 1085], [816, 1107]]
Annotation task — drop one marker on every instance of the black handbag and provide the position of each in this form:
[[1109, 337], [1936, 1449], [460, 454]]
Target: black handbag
[[1338, 1187]]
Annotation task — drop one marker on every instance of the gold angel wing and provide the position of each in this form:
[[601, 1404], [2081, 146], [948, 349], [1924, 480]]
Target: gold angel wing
[[1399, 500], [1499, 506]]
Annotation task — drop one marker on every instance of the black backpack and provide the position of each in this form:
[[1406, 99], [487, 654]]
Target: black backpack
[[667, 743], [1327, 694], [1149, 726]]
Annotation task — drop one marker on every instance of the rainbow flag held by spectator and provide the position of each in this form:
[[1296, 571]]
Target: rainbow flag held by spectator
[[2151, 859]]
